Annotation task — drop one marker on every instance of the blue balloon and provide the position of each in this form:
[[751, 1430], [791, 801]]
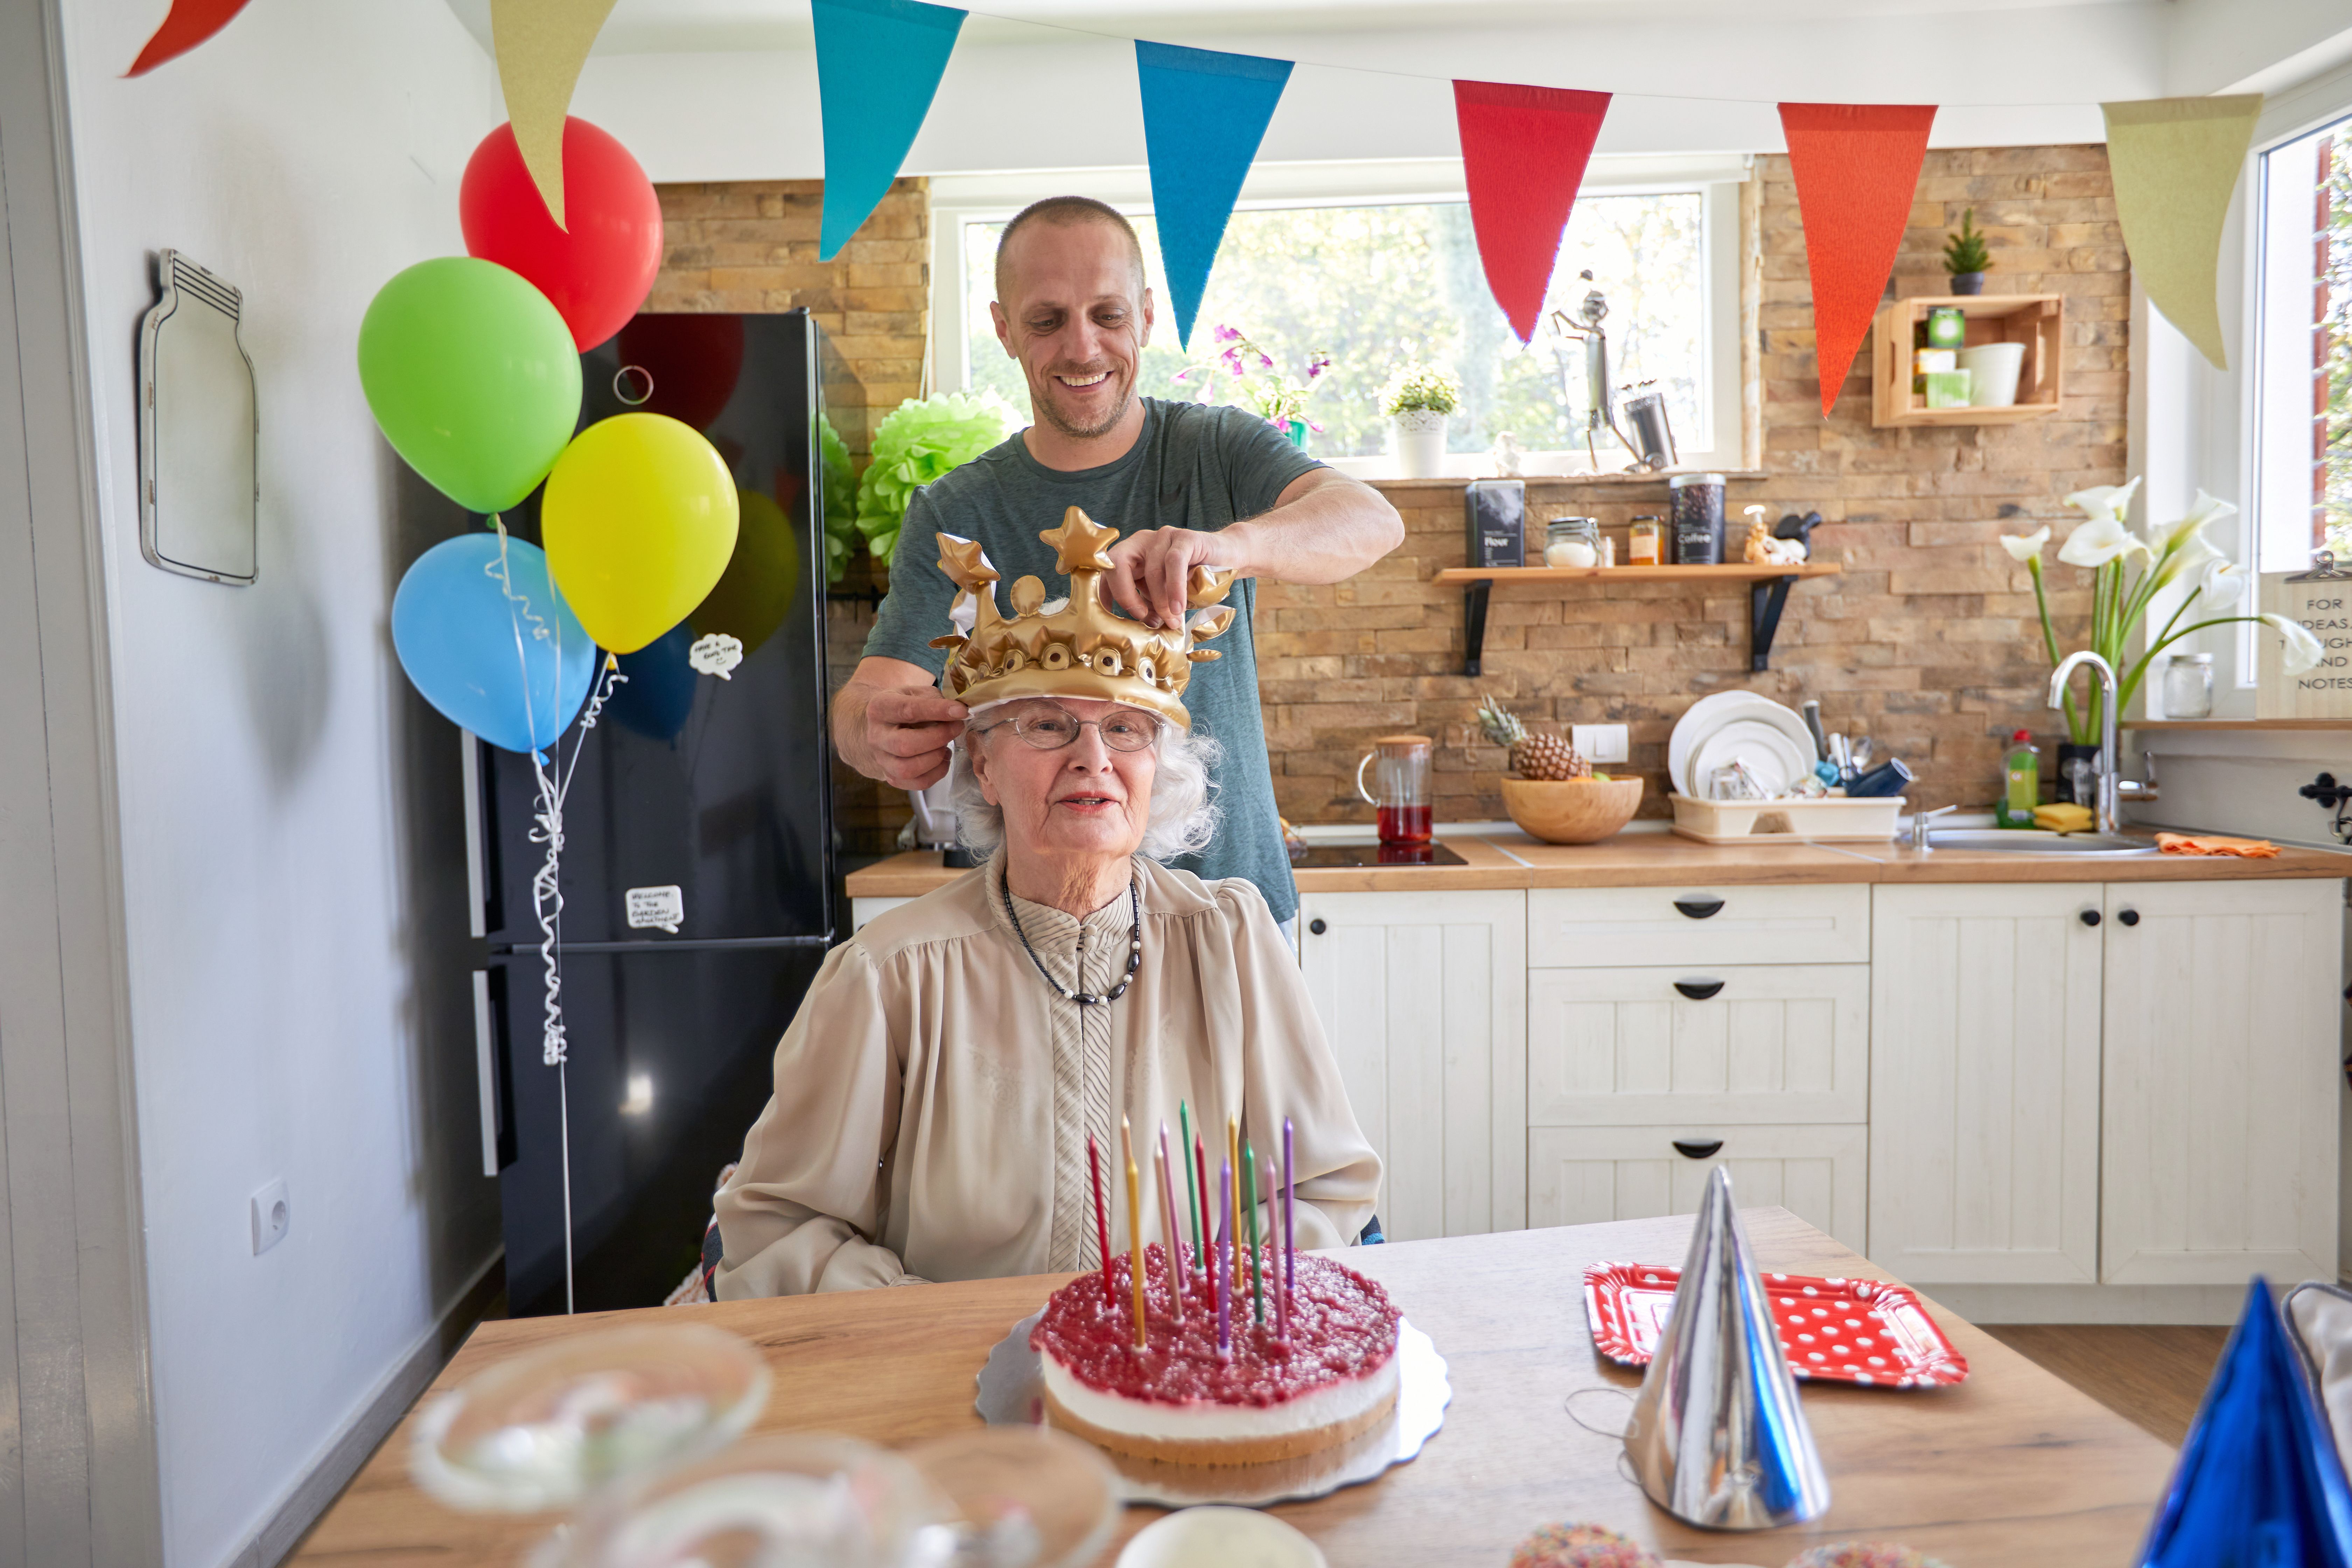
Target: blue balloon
[[514, 670]]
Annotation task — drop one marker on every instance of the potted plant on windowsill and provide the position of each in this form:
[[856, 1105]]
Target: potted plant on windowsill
[[1417, 401], [1279, 400], [2175, 555], [1966, 256]]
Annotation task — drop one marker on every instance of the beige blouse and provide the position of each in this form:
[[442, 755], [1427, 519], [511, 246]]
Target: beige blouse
[[933, 1096]]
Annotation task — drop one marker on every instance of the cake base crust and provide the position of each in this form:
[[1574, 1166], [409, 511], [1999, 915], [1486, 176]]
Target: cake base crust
[[1221, 1451]]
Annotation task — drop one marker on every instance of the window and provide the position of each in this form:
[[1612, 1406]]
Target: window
[[1378, 284], [2304, 351]]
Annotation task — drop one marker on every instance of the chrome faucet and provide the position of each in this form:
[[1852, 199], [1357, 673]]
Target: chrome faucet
[[2103, 767]]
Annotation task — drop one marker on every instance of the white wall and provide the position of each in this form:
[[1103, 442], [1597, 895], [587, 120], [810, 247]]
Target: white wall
[[288, 810]]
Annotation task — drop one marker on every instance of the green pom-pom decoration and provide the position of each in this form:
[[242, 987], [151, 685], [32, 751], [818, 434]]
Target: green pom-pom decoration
[[917, 443], [840, 497]]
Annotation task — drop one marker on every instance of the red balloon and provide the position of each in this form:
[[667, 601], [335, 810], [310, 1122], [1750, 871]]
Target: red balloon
[[598, 273]]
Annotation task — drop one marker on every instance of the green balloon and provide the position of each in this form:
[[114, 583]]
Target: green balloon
[[473, 376]]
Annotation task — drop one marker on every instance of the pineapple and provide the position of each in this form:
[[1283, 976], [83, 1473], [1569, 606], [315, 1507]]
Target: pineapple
[[1546, 757]]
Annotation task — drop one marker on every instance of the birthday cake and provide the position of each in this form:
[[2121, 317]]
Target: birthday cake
[[1319, 1370]]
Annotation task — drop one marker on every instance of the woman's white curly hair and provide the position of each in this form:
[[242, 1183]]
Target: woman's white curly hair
[[1183, 818]]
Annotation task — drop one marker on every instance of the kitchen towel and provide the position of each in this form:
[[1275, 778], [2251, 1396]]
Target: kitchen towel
[[541, 46], [1857, 168], [2216, 844], [1523, 154], [1204, 113], [2175, 162], [878, 64]]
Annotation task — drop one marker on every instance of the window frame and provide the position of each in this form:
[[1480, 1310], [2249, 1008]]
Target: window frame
[[960, 200]]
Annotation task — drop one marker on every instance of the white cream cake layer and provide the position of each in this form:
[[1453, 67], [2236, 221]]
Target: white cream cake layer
[[1197, 1422]]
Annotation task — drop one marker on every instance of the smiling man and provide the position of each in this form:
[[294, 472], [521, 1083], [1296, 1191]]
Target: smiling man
[[1185, 484]]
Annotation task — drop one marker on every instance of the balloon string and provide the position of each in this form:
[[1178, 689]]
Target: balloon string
[[588, 717]]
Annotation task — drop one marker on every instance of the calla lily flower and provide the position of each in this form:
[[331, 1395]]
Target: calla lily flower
[[2190, 557], [2207, 509], [2110, 501], [2026, 547], [2301, 651], [2222, 578], [2100, 538]]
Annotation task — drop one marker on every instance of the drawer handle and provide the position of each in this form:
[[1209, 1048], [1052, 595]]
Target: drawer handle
[[2090, 917], [1698, 1148], [1699, 908], [1698, 990], [1317, 927], [2129, 917]]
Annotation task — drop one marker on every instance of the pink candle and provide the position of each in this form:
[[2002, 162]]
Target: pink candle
[[1176, 1272], [1223, 1259], [1102, 1221], [1289, 1226]]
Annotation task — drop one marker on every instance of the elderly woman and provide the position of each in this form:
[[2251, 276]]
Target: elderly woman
[[936, 1094]]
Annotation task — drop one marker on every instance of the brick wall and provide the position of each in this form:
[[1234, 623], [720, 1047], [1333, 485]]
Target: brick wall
[[1928, 643]]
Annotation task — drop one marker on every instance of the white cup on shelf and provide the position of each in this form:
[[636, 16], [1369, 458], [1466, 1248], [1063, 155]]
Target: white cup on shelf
[[1993, 370]]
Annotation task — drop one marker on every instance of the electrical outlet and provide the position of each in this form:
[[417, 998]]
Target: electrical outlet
[[1599, 743], [271, 1216]]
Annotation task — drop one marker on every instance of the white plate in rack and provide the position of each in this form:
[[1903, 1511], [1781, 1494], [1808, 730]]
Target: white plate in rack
[[1773, 760], [1710, 714]]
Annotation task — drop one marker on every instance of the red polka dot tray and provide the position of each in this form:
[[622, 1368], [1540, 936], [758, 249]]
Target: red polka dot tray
[[1841, 1330]]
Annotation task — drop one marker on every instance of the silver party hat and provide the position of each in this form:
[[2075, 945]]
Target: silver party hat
[[1717, 1436]]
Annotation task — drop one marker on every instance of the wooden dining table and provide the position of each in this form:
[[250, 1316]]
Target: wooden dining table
[[2011, 1467]]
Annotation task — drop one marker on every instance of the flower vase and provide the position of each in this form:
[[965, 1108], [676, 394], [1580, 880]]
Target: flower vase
[[1967, 282], [1420, 440], [1297, 430]]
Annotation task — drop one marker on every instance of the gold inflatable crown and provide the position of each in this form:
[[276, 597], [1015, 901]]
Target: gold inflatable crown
[[1075, 646]]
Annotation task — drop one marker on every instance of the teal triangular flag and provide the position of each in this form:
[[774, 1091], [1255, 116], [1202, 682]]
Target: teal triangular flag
[[877, 65], [1203, 115]]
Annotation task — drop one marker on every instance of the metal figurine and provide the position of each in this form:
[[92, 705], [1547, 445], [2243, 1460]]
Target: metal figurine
[[1717, 1436]]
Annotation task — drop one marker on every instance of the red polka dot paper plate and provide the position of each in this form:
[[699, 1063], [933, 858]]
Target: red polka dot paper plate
[[1838, 1330]]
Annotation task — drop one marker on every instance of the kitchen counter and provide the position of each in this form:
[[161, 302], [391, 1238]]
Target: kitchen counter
[[1512, 859]]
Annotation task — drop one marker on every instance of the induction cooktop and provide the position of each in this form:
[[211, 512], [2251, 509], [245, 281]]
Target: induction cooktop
[[1330, 856]]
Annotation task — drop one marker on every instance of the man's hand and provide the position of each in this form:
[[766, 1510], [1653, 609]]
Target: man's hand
[[1151, 571], [890, 723]]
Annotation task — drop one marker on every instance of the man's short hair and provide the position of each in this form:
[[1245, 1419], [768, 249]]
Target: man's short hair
[[1066, 212]]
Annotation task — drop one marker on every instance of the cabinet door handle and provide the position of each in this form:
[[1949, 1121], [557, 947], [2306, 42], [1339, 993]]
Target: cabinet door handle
[[2129, 917], [1698, 1148], [1699, 908], [1698, 990], [1317, 927], [2090, 917]]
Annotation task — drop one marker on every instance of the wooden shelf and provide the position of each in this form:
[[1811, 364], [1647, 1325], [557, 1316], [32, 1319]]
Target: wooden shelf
[[1733, 572], [2037, 320], [2246, 726], [1767, 593]]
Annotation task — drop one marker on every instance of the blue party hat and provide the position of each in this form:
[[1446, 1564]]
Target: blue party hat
[[2259, 1483]]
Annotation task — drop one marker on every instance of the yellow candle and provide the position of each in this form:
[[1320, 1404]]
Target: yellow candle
[[1234, 1154], [1134, 1225]]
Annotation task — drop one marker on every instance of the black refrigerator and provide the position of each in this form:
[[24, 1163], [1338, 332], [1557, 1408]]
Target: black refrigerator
[[697, 864]]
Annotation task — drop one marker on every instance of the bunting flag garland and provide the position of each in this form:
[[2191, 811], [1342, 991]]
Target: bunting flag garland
[[1204, 114], [1857, 170], [1523, 154], [2175, 163], [2259, 1480], [541, 46], [189, 23], [878, 63]]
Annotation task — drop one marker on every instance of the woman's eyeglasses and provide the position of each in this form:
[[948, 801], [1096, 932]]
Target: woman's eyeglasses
[[1049, 729]]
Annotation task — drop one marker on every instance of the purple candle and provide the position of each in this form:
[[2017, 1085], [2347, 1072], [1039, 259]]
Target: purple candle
[[1289, 1223], [1225, 1258]]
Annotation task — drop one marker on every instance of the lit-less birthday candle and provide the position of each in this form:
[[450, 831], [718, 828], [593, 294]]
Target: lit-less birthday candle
[[1233, 1204], [1257, 1252], [1134, 1226], [1179, 1275], [1289, 1226], [1193, 1198], [1281, 1299], [1225, 1246], [1207, 1263], [1102, 1223]]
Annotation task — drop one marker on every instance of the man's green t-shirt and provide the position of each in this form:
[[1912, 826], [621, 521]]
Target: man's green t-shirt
[[1195, 465]]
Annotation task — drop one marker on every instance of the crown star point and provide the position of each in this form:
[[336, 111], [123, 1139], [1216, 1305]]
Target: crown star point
[[965, 563], [1080, 544]]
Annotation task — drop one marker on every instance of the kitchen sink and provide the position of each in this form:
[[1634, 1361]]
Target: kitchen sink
[[2033, 841]]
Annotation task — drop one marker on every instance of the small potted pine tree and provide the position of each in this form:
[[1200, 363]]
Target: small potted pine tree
[[1417, 400], [1965, 256]]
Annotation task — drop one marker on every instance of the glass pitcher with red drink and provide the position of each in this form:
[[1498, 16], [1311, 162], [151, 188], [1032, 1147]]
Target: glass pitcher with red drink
[[1401, 772]]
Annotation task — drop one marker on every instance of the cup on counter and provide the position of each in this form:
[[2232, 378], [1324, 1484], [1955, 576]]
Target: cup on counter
[[1403, 780], [1888, 777]]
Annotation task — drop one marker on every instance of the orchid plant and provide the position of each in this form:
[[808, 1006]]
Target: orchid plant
[[1277, 399], [2127, 574]]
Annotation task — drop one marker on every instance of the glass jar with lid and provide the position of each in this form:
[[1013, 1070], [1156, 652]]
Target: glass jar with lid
[[1572, 541], [2189, 686]]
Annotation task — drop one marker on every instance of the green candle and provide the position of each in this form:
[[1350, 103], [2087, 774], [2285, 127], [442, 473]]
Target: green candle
[[1257, 1254], [1192, 1197]]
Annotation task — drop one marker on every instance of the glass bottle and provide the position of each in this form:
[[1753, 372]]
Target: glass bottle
[[2020, 781], [1572, 541], [1643, 542]]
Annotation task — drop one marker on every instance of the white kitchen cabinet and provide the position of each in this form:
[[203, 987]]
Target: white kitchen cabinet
[[1984, 1086], [1769, 1043], [1423, 997], [1581, 928], [1580, 1175], [2222, 1082]]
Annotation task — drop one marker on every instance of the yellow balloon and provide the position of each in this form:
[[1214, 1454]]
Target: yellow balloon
[[639, 521]]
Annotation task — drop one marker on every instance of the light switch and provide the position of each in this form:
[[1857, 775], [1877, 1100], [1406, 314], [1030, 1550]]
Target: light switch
[[1599, 743]]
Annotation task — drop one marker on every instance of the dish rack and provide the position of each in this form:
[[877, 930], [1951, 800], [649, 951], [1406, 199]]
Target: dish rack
[[1869, 819]]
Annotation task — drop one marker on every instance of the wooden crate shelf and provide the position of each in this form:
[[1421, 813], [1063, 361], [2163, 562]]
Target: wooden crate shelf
[[2037, 320]]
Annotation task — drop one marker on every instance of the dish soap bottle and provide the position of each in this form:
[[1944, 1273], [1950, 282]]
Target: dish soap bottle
[[2021, 783]]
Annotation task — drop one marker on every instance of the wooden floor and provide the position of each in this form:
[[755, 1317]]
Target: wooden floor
[[2151, 1374]]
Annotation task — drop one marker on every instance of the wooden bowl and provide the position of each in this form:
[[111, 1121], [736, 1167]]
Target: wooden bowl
[[1571, 811]]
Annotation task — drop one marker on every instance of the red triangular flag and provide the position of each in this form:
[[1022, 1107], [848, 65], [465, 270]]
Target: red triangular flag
[[190, 23], [1523, 155], [1857, 168]]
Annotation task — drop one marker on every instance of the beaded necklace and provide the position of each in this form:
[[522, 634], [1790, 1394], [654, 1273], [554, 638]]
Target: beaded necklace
[[1134, 948]]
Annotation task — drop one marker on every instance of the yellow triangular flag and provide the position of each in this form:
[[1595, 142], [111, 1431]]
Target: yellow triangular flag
[[541, 45], [2176, 163]]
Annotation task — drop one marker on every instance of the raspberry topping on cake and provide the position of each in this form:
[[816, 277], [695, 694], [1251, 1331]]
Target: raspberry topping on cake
[[1342, 1326]]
